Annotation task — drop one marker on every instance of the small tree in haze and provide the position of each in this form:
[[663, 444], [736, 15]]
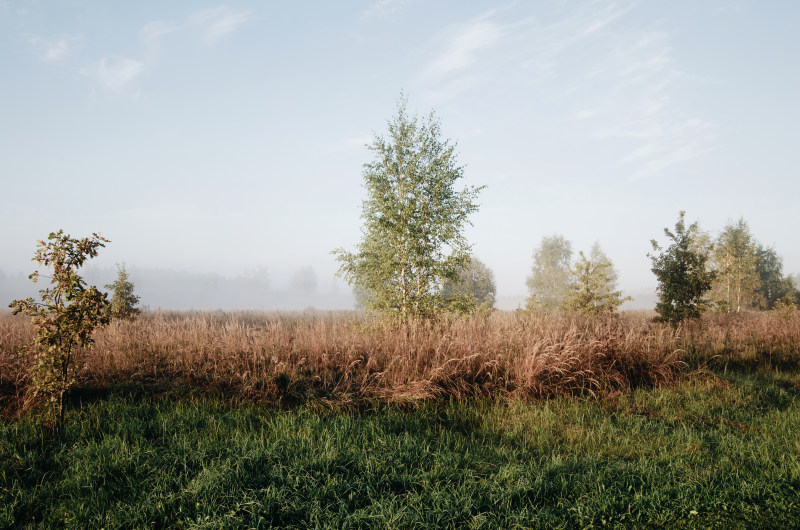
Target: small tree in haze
[[414, 218], [683, 278], [735, 261], [66, 317], [549, 281], [593, 288], [474, 288], [123, 301], [774, 286], [304, 280]]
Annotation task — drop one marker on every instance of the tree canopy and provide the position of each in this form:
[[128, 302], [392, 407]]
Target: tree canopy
[[414, 219], [123, 301], [593, 285], [549, 281], [474, 288], [734, 260], [680, 268]]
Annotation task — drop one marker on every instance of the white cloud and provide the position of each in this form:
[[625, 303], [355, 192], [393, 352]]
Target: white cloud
[[463, 46], [523, 44], [219, 21], [115, 73], [213, 24], [382, 9], [641, 107], [50, 50], [152, 32], [672, 145], [610, 79]]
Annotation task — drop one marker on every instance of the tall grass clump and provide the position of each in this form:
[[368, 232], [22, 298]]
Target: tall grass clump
[[346, 358]]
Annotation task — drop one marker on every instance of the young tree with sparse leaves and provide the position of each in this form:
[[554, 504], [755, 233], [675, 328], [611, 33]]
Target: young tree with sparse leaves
[[682, 274], [549, 281], [414, 219], [593, 287], [123, 301], [66, 316]]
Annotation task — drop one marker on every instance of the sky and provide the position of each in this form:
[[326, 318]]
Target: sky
[[228, 139]]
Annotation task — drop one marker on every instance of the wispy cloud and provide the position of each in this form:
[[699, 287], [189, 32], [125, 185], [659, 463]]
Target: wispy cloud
[[504, 40], [383, 9], [463, 46], [219, 21], [669, 145], [152, 32], [115, 73], [50, 49], [611, 79], [639, 105], [214, 24]]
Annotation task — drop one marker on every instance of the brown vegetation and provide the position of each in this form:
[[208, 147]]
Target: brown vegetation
[[340, 357]]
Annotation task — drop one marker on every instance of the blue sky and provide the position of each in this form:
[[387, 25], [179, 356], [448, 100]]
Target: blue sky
[[225, 138]]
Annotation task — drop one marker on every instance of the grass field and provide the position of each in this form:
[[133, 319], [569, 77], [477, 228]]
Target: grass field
[[700, 430], [707, 452]]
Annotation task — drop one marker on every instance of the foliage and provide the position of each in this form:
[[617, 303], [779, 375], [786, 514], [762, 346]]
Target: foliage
[[735, 260], [592, 291], [123, 301], [683, 278], [773, 285], [473, 289], [66, 317], [786, 307], [412, 238], [549, 281]]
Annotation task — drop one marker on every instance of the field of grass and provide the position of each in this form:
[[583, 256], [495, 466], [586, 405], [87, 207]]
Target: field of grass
[[705, 452], [212, 420], [341, 358]]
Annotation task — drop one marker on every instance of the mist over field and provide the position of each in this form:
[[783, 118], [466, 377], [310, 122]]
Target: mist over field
[[182, 290], [210, 141]]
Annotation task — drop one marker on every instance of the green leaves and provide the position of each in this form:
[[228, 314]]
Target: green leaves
[[683, 278], [473, 289], [123, 301], [592, 291], [549, 281], [413, 220], [66, 316]]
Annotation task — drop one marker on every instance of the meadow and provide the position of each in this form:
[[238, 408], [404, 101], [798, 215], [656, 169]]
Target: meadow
[[334, 420]]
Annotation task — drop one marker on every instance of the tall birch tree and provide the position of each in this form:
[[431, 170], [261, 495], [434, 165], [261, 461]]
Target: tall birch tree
[[414, 219]]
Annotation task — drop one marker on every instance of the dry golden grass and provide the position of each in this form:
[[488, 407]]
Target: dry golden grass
[[340, 357]]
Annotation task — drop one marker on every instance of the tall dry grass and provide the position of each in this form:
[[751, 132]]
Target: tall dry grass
[[345, 358]]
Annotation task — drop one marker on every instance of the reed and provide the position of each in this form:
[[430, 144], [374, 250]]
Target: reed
[[341, 357]]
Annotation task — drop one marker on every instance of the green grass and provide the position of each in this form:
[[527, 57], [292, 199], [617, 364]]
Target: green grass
[[699, 454]]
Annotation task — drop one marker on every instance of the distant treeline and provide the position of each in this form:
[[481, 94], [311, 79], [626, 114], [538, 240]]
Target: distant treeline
[[182, 290]]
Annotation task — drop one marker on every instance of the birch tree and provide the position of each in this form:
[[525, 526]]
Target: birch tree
[[549, 281], [414, 219], [735, 262]]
